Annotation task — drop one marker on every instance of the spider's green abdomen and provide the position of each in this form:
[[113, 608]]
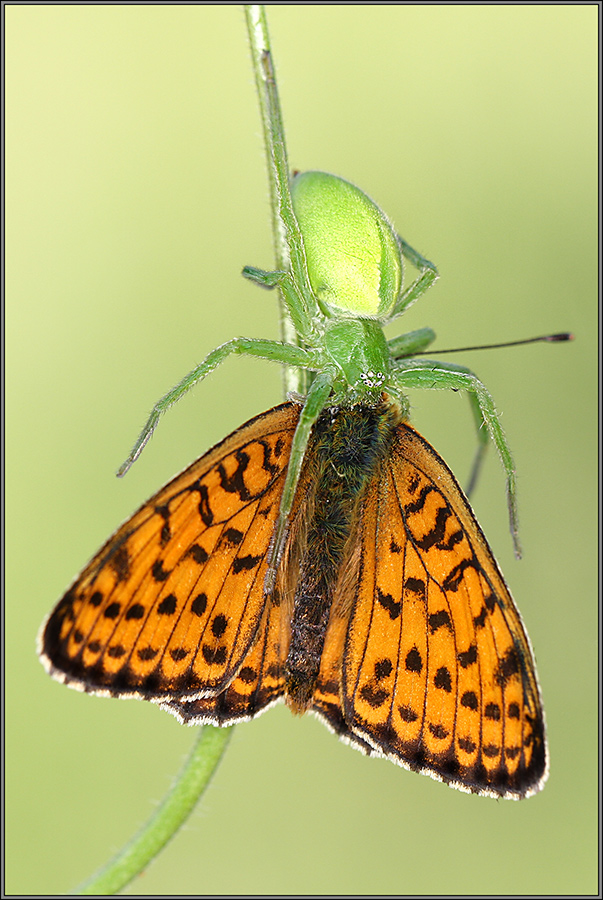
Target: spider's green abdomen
[[353, 255]]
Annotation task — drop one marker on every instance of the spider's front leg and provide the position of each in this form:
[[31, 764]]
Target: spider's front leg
[[286, 354], [434, 375]]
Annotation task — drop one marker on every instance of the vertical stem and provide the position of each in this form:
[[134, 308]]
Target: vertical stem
[[288, 242]]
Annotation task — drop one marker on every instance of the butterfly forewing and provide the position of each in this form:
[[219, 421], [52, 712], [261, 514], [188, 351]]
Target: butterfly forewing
[[437, 670], [171, 605]]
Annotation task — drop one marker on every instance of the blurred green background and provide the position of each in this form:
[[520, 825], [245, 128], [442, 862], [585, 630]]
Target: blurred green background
[[136, 191]]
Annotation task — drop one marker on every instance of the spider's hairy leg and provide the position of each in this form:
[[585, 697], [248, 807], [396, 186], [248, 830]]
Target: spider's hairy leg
[[435, 375], [287, 354], [410, 343], [428, 275], [314, 404]]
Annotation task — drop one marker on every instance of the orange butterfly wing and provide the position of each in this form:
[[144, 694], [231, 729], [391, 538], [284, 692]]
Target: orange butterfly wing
[[429, 664], [258, 684], [173, 604]]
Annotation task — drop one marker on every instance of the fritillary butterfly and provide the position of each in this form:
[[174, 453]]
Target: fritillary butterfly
[[389, 617]]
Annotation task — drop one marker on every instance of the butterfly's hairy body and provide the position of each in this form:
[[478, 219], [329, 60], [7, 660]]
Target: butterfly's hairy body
[[346, 446]]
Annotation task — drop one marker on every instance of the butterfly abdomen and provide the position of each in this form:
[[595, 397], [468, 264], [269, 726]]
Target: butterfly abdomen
[[346, 445]]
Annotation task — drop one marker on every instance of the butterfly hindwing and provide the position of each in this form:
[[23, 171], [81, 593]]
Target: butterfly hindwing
[[172, 603], [437, 671], [259, 682]]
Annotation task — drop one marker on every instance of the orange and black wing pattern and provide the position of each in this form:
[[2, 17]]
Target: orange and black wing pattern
[[172, 609], [425, 659], [428, 662]]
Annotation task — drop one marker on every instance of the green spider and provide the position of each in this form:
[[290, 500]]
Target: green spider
[[351, 261]]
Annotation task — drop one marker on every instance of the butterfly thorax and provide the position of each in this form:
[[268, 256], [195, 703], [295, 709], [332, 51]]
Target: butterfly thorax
[[346, 446]]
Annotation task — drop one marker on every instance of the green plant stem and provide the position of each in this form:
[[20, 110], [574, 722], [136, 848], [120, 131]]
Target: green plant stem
[[171, 814], [286, 235]]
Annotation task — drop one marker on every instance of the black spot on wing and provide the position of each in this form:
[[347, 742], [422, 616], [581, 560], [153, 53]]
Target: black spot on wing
[[383, 668], [205, 511], [480, 620], [248, 675], [164, 512], [235, 483], [219, 624], [508, 667], [119, 560], [375, 697], [212, 654], [440, 619], [413, 661], [388, 603], [455, 577], [233, 536], [199, 604], [244, 563], [198, 554], [442, 679], [467, 657], [469, 700], [416, 586], [435, 537], [492, 711], [136, 611], [489, 604], [158, 572], [267, 463], [407, 714], [417, 505], [438, 731], [491, 750], [168, 605]]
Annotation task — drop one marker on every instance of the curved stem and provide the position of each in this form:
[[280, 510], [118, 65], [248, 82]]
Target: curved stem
[[167, 819]]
